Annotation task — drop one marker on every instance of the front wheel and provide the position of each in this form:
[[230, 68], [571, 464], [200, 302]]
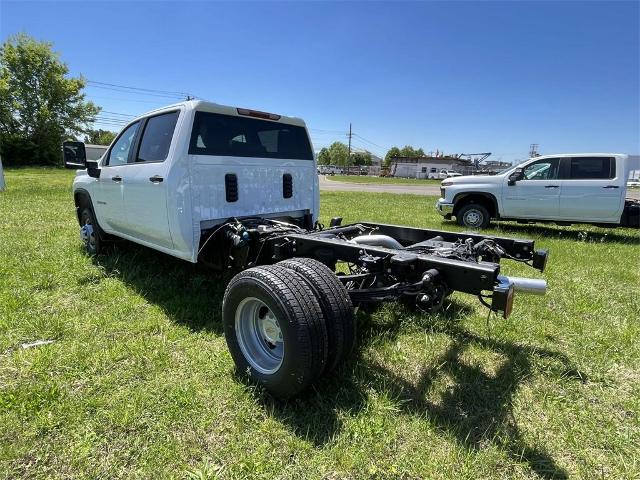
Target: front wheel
[[89, 232], [473, 216]]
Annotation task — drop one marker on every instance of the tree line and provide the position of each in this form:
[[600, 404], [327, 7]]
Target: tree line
[[338, 154], [40, 104]]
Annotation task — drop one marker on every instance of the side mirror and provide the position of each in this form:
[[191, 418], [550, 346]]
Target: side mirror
[[514, 177], [74, 155], [92, 168]]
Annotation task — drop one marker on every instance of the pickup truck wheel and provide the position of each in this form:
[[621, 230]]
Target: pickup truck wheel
[[473, 215], [275, 329], [89, 232], [335, 304]]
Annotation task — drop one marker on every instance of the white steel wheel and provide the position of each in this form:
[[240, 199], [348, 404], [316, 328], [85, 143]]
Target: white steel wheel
[[474, 216]]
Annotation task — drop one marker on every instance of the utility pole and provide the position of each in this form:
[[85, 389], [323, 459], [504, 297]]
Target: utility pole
[[533, 150], [349, 159]]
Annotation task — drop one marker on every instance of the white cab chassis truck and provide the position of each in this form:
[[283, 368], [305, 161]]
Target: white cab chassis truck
[[236, 189], [565, 189]]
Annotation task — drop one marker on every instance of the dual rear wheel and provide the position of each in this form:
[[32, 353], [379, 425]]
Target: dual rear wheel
[[287, 324]]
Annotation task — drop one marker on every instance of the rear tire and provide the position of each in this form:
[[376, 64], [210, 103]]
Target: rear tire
[[473, 215], [335, 304], [275, 329]]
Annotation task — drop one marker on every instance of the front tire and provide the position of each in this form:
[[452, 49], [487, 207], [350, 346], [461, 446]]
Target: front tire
[[89, 232], [275, 329], [474, 216]]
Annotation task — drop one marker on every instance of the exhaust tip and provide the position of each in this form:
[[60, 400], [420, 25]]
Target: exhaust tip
[[529, 286]]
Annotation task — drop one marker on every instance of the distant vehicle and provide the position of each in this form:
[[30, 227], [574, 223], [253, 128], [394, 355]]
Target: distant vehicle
[[444, 173], [565, 189], [330, 170]]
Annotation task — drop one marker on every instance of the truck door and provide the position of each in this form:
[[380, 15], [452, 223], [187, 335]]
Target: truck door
[[109, 201], [591, 189], [145, 189], [536, 195]]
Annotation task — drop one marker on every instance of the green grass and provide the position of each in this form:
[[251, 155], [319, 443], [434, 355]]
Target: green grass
[[382, 180], [139, 384]]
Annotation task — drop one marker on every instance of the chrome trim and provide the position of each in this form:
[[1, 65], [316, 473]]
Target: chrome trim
[[444, 209]]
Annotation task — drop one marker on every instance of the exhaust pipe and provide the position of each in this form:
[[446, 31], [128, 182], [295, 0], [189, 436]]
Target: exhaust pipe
[[526, 285], [378, 241]]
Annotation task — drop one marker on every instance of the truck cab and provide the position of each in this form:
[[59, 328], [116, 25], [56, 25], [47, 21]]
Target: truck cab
[[568, 188], [177, 172]]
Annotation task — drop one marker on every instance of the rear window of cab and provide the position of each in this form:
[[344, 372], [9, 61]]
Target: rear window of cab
[[227, 135]]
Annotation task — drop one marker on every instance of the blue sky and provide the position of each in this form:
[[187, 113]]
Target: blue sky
[[454, 76]]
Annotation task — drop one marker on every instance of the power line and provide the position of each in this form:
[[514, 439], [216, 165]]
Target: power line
[[132, 92], [152, 90], [116, 113], [155, 102], [368, 141], [112, 119], [320, 130]]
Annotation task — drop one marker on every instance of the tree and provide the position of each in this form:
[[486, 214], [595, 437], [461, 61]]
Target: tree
[[361, 158], [409, 151], [39, 104], [339, 153], [392, 153], [99, 137], [324, 157]]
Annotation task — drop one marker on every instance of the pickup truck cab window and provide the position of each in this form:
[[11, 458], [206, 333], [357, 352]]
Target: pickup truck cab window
[[156, 137], [227, 135], [541, 170], [119, 153], [589, 168]]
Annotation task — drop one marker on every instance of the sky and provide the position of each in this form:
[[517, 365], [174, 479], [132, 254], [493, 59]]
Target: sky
[[459, 77]]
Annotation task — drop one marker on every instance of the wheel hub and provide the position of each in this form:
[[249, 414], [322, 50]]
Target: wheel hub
[[87, 235], [270, 329], [473, 217]]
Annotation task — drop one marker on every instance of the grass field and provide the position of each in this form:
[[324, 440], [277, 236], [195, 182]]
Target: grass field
[[139, 384], [383, 180]]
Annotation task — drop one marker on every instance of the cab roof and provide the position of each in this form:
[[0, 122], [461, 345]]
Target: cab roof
[[205, 106]]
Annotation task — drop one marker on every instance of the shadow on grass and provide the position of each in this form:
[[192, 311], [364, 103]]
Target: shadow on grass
[[476, 410], [187, 293], [568, 233]]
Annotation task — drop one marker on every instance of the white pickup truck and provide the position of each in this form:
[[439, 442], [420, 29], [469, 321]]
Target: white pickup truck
[[565, 189], [444, 173], [237, 190]]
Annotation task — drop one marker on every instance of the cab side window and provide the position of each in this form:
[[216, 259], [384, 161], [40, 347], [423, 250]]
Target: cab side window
[[592, 168], [156, 138], [546, 169], [119, 153]]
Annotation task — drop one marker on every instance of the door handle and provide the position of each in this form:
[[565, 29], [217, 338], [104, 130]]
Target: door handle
[[156, 179], [611, 186], [552, 186], [116, 178]]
